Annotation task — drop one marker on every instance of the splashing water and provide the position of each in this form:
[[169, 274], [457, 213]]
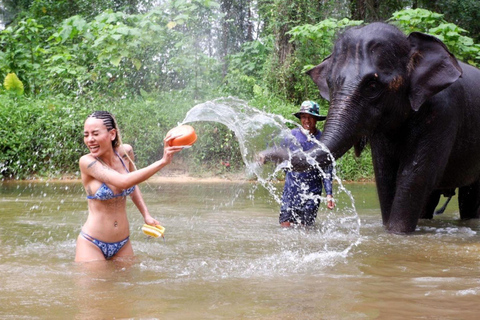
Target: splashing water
[[256, 131]]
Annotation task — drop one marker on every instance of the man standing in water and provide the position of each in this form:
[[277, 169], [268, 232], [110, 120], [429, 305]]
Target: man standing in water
[[302, 190]]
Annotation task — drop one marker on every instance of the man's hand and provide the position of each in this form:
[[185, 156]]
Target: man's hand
[[330, 202]]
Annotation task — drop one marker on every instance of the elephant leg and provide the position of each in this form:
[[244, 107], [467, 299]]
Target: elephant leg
[[385, 175], [414, 193], [386, 194], [432, 203], [469, 201], [406, 210]]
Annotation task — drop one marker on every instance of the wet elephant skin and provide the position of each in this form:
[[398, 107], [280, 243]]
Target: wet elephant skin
[[417, 106]]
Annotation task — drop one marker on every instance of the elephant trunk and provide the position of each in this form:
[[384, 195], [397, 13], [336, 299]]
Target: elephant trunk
[[342, 130]]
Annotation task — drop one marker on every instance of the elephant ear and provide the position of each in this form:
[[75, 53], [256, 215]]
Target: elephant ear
[[432, 68], [319, 76]]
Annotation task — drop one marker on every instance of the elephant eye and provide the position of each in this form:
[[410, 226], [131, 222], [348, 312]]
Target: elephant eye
[[372, 84], [373, 87]]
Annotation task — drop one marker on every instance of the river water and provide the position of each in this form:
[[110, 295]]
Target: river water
[[225, 257]]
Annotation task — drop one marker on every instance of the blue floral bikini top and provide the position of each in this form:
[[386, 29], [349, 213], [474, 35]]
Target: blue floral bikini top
[[105, 193]]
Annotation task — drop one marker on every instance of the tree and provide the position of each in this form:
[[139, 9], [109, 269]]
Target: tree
[[236, 28], [464, 13], [377, 10], [283, 74]]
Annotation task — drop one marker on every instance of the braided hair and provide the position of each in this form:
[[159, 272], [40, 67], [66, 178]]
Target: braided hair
[[109, 122]]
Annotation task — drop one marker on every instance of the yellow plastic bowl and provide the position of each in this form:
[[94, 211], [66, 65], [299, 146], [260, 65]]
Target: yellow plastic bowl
[[186, 136], [153, 231]]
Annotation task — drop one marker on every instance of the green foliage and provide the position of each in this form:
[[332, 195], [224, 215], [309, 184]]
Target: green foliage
[[215, 144], [12, 83], [312, 44], [464, 13], [39, 137], [421, 20], [265, 100], [462, 46], [251, 58], [115, 52], [43, 137], [216, 151], [22, 52], [150, 66], [54, 11], [315, 42], [246, 68], [239, 84], [352, 168]]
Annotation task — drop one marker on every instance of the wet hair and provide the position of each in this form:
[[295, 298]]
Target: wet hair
[[109, 122]]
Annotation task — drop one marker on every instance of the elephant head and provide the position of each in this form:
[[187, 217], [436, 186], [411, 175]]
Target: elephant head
[[375, 78]]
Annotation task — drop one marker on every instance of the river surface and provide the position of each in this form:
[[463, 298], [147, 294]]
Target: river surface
[[225, 257]]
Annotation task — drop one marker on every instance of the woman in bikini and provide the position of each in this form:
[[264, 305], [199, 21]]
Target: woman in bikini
[[109, 176]]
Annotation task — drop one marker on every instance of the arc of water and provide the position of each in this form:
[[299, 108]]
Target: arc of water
[[256, 131]]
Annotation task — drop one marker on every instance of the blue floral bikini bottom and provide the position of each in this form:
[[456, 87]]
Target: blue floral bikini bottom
[[109, 249]]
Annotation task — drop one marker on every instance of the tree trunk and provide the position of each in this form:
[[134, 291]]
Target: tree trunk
[[283, 44], [226, 8], [358, 9], [249, 22]]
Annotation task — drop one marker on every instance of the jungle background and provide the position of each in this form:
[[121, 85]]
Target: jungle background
[[150, 61]]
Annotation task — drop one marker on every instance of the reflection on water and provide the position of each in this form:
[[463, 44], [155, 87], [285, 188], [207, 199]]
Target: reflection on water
[[226, 258]]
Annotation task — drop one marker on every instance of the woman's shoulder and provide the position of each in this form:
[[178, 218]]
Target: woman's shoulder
[[86, 160], [124, 149], [86, 157], [127, 147]]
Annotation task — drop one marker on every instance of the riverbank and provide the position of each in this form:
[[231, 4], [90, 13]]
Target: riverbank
[[172, 178], [185, 178], [163, 177]]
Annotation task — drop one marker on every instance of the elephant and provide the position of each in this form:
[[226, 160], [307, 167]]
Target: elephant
[[419, 109]]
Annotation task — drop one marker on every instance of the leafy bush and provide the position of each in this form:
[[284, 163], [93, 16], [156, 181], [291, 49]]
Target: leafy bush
[[12, 83], [149, 69], [421, 20], [39, 137], [315, 42], [352, 168], [113, 53], [43, 137]]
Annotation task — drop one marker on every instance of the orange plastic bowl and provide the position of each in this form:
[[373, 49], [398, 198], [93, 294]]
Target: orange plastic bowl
[[186, 136]]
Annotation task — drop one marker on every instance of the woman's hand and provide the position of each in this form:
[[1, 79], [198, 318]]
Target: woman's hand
[[168, 150], [151, 221]]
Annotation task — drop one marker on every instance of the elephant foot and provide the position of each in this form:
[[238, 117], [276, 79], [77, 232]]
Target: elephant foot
[[400, 229], [469, 201]]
